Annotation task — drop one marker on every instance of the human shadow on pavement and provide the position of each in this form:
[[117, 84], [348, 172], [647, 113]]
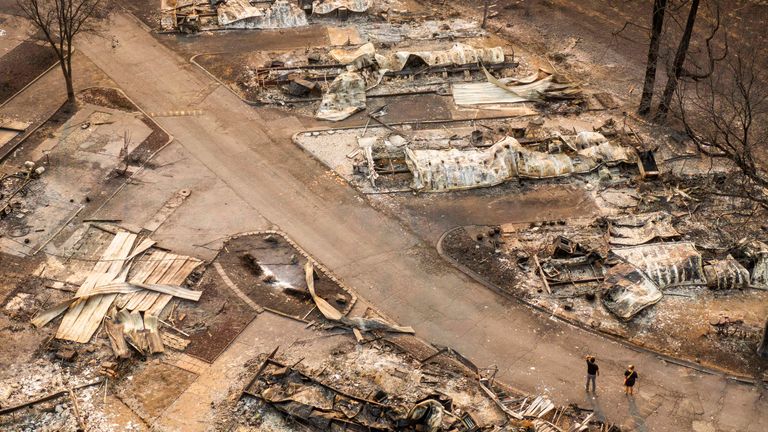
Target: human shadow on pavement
[[594, 404], [638, 420]]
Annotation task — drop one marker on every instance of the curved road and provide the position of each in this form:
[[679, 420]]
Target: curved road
[[250, 150]]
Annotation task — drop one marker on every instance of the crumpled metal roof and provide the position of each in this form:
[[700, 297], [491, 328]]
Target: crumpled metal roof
[[726, 274], [345, 96], [323, 7], [280, 14], [627, 291], [638, 229], [458, 54], [453, 169], [539, 86], [344, 56], [666, 263]]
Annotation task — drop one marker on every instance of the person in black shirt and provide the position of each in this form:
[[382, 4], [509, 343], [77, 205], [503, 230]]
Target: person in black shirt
[[593, 370], [630, 377]]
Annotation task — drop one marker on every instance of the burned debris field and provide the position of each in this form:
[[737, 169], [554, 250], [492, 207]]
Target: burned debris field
[[394, 215]]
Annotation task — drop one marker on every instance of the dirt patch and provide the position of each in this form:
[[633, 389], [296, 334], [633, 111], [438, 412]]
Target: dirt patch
[[148, 11], [269, 272], [114, 98], [461, 245], [216, 320], [23, 64], [107, 97], [154, 388]]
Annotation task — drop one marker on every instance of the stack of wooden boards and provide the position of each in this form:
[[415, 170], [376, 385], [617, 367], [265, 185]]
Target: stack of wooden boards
[[129, 279]]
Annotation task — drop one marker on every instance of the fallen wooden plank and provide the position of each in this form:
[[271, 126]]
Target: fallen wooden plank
[[498, 403], [117, 339], [81, 320], [146, 267], [96, 273], [153, 334], [178, 279], [164, 261], [91, 322], [168, 277], [125, 287]]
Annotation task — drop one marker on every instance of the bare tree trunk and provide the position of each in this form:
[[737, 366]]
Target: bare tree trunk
[[485, 13], [677, 67], [68, 79], [657, 25]]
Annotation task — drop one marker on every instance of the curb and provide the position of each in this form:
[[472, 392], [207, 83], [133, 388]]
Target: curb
[[744, 379], [215, 78], [29, 132], [152, 156]]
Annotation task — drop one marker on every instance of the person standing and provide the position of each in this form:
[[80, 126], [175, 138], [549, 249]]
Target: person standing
[[593, 370], [630, 377]]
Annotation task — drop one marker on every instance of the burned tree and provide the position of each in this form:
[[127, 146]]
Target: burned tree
[[726, 115], [657, 25], [678, 70], [60, 21]]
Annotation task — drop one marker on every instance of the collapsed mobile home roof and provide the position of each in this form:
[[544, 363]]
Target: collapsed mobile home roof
[[638, 229], [666, 263], [240, 14], [539, 86], [627, 291], [453, 169], [458, 54], [322, 7]]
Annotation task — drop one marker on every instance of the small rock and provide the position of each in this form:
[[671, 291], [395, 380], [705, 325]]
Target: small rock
[[341, 299]]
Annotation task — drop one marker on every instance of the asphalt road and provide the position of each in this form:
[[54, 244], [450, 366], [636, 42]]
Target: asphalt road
[[250, 150]]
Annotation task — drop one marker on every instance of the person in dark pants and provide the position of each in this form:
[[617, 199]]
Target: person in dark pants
[[630, 377], [593, 370]]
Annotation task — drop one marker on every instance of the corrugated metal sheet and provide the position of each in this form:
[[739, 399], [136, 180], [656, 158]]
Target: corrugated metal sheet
[[726, 274], [627, 291], [453, 169], [323, 7], [459, 54], [638, 229], [666, 263], [240, 14]]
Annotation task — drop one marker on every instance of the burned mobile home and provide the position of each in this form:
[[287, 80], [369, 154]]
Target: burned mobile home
[[203, 15]]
